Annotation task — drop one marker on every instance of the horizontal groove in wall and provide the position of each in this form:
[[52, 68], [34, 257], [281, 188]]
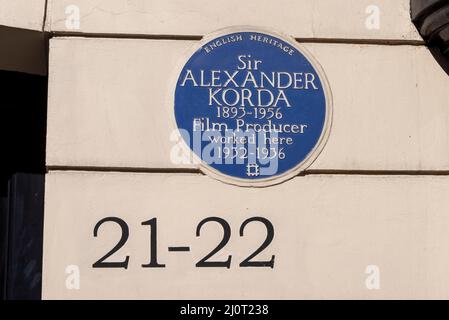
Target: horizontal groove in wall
[[392, 42], [305, 173], [122, 169], [379, 172]]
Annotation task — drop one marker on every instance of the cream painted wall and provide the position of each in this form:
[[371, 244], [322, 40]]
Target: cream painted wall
[[328, 229], [313, 19], [110, 106], [109, 109], [24, 14]]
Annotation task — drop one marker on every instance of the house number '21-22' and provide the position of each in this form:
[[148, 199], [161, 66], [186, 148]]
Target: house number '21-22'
[[205, 262]]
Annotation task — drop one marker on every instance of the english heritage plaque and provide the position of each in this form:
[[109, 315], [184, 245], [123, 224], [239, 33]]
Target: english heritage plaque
[[252, 106]]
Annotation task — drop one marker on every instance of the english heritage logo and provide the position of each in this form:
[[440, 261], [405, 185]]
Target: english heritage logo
[[253, 106]]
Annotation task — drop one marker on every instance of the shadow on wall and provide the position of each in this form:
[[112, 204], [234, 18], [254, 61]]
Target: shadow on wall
[[23, 50], [23, 115], [23, 118], [431, 18]]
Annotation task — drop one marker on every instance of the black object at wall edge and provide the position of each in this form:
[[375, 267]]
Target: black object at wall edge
[[431, 18]]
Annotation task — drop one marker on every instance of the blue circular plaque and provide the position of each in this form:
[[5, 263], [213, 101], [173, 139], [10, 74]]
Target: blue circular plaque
[[253, 106]]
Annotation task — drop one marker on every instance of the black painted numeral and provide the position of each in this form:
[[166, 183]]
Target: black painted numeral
[[270, 235], [153, 245], [226, 236], [101, 263]]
